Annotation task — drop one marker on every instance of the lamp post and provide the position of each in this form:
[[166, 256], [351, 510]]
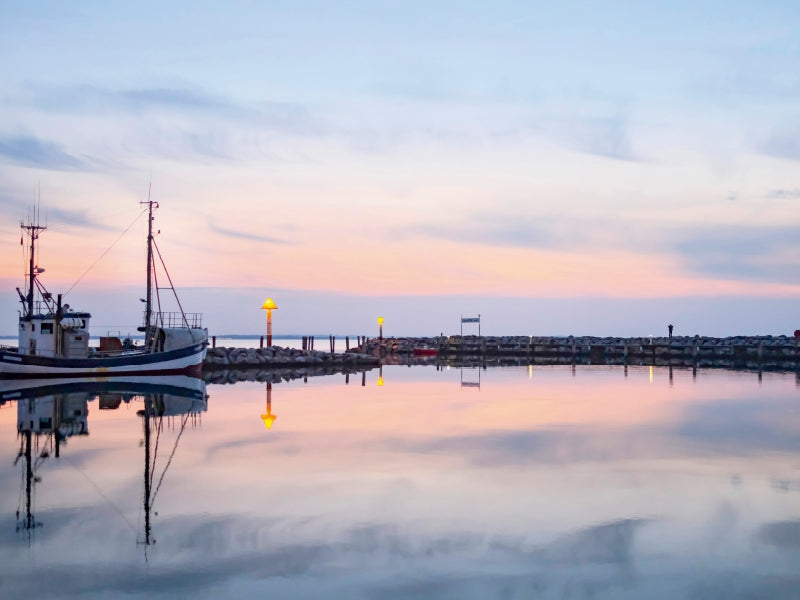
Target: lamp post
[[380, 328], [269, 305]]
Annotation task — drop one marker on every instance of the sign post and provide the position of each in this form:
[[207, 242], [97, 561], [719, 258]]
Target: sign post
[[471, 320]]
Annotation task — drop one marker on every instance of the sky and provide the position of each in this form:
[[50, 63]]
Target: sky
[[573, 168]]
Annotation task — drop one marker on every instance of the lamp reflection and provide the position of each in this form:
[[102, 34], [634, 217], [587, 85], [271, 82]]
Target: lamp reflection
[[269, 418]]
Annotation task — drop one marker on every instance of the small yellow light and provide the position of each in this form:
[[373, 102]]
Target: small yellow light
[[380, 320], [269, 304], [380, 381], [268, 419]]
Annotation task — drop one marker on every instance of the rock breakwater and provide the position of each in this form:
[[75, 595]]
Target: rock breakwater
[[767, 352], [279, 357]]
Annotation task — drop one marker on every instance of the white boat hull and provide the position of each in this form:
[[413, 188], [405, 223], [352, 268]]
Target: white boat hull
[[186, 361]]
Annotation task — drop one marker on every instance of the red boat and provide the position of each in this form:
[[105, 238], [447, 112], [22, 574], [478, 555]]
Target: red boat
[[426, 352]]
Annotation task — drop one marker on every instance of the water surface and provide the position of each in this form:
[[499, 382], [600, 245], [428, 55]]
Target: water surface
[[543, 482]]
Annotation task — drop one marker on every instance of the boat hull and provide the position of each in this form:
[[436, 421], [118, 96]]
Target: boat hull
[[181, 361], [174, 385]]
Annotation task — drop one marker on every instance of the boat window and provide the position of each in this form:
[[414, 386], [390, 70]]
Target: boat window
[[83, 323], [47, 328], [33, 326], [78, 338]]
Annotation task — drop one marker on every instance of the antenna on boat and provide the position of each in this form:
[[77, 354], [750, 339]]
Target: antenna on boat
[[32, 228], [148, 307]]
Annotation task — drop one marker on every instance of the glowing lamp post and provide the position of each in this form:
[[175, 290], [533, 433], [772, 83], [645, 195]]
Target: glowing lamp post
[[269, 305], [380, 328]]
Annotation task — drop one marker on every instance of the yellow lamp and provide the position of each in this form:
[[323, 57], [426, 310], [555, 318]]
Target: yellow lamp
[[380, 326], [269, 305]]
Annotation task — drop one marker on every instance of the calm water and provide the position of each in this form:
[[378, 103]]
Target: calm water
[[503, 483]]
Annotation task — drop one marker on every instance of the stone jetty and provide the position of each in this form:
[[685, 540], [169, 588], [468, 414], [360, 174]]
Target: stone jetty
[[269, 374], [275, 357], [757, 352]]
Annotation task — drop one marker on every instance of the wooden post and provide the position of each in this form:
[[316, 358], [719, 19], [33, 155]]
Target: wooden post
[[261, 342], [346, 343], [303, 342], [346, 378], [332, 340], [213, 341], [363, 378]]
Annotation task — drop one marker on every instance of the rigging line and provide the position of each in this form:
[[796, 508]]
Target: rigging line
[[169, 460], [159, 313], [174, 293], [99, 491], [104, 253]]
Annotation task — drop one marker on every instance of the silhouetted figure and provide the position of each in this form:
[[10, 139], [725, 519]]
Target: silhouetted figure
[[670, 331]]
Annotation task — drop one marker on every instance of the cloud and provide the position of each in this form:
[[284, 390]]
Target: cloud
[[84, 99], [33, 152], [244, 235], [741, 427], [740, 252], [783, 194], [494, 232], [552, 232], [286, 117], [785, 144], [606, 137], [784, 535]]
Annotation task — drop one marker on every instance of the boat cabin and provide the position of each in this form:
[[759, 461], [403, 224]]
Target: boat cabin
[[46, 335]]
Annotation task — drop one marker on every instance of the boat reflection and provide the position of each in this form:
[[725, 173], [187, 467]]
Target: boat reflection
[[50, 414]]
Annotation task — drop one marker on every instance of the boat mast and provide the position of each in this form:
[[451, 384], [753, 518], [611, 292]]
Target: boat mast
[[33, 229], [148, 307]]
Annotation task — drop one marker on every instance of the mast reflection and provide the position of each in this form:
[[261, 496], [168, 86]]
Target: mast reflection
[[49, 414]]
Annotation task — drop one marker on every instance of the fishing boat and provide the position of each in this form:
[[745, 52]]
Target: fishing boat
[[54, 338]]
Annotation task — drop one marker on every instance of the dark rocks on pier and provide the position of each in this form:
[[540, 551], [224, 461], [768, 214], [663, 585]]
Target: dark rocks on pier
[[277, 356], [766, 351]]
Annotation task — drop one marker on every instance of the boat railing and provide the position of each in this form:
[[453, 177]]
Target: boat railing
[[178, 319]]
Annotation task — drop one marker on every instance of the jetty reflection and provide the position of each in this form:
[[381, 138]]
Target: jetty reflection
[[50, 414]]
